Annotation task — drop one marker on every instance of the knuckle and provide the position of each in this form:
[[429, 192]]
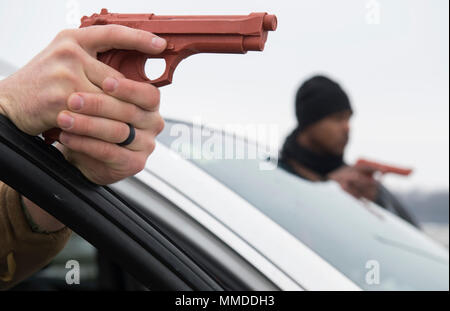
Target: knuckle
[[63, 73], [142, 36], [55, 98], [161, 125], [133, 115], [65, 33], [66, 49], [112, 30], [138, 165], [141, 166], [85, 125], [154, 98], [98, 101], [151, 145]]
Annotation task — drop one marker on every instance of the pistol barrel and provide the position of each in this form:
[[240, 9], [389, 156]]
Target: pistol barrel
[[185, 36]]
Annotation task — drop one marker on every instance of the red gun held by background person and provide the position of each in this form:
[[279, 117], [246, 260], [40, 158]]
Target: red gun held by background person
[[382, 168], [185, 36]]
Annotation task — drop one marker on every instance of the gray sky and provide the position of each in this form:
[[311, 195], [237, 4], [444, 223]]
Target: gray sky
[[397, 71]]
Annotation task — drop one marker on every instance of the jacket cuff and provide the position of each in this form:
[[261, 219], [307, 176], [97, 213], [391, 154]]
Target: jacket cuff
[[22, 251]]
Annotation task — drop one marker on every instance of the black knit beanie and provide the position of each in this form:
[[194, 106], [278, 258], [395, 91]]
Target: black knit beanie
[[318, 98]]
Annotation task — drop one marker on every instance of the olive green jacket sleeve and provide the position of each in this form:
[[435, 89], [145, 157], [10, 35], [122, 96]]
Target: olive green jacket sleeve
[[23, 251]]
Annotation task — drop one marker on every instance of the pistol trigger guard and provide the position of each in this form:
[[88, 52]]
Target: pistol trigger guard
[[130, 63], [171, 63], [140, 68]]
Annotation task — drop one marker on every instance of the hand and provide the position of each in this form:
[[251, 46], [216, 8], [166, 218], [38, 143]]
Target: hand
[[357, 181], [38, 97], [34, 96], [45, 92], [99, 123], [96, 123]]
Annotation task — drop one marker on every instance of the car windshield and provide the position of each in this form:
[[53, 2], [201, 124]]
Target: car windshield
[[373, 249]]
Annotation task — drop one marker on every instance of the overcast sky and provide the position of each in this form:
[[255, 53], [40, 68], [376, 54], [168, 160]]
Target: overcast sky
[[397, 71]]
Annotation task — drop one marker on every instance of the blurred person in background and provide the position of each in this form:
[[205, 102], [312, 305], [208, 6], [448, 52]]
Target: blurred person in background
[[315, 149]]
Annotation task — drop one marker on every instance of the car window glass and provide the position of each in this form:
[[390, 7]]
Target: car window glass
[[349, 234]]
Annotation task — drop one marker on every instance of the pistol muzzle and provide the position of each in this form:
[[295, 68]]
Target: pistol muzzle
[[270, 23]]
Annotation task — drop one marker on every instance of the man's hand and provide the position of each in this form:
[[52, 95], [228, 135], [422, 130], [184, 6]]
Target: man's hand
[[34, 96], [65, 86], [357, 181], [97, 122]]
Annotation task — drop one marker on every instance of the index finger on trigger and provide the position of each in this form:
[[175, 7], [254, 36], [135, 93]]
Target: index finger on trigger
[[108, 37]]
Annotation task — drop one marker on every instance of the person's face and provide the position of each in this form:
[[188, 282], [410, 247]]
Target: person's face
[[331, 134]]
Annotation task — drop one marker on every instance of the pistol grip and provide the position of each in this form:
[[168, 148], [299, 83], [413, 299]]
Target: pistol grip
[[132, 65], [52, 135]]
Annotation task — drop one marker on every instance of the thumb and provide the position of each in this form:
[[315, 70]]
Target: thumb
[[97, 39]]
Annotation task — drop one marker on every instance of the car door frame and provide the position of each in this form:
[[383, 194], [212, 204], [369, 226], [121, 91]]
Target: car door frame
[[40, 172], [219, 259]]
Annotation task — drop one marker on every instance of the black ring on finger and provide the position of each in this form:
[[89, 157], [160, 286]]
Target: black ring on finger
[[130, 138]]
